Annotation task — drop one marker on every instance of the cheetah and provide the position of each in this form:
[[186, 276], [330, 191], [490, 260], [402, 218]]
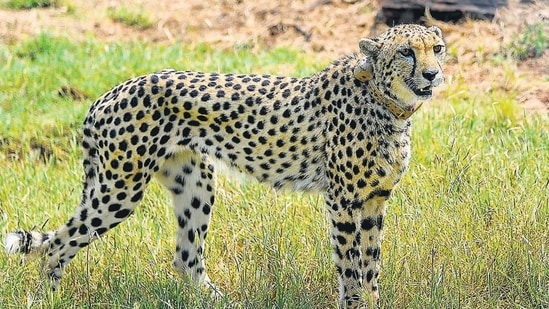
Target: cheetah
[[343, 132]]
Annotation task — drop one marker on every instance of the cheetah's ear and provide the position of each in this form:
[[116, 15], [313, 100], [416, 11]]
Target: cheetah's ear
[[436, 30], [369, 47]]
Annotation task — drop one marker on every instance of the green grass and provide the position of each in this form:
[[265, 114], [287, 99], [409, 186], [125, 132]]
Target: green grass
[[29, 4], [532, 42], [467, 228], [132, 18]]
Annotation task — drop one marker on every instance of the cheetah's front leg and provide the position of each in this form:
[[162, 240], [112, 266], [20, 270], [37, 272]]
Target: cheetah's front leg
[[356, 239], [346, 242], [371, 235]]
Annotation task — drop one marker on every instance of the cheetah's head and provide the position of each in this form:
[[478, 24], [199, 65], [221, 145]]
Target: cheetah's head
[[406, 63]]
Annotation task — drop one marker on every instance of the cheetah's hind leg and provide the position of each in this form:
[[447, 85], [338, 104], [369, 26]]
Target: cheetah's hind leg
[[106, 202], [190, 178]]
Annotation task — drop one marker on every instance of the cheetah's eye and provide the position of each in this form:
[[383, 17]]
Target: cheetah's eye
[[407, 52], [437, 49]]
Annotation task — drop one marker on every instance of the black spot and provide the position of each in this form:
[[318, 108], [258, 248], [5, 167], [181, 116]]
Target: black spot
[[95, 203], [191, 236], [176, 191], [379, 222], [346, 227], [369, 275], [137, 176], [141, 150], [195, 202], [192, 263], [205, 97], [83, 214], [114, 224], [187, 213], [286, 93], [119, 184], [121, 196], [206, 209], [194, 93], [96, 222], [163, 140], [368, 223], [220, 94], [127, 167], [373, 252], [83, 230], [72, 231], [127, 117], [137, 196], [381, 172], [114, 207], [121, 214], [380, 193], [181, 222]]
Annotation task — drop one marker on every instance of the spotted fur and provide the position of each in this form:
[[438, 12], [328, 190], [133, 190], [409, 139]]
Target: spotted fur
[[344, 132]]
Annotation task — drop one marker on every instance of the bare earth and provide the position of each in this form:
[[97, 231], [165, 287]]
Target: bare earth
[[328, 28]]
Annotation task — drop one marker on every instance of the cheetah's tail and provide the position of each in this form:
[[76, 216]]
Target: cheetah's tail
[[27, 242]]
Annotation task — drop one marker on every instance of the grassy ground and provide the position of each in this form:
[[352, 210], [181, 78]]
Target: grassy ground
[[467, 228]]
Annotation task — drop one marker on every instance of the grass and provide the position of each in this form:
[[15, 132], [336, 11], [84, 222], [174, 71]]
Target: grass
[[132, 18], [30, 4], [532, 42], [467, 227]]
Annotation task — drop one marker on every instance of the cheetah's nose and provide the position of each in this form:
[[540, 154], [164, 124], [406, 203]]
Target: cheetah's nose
[[429, 74]]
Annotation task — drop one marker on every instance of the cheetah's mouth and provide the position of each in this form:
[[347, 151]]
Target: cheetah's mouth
[[423, 92]]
